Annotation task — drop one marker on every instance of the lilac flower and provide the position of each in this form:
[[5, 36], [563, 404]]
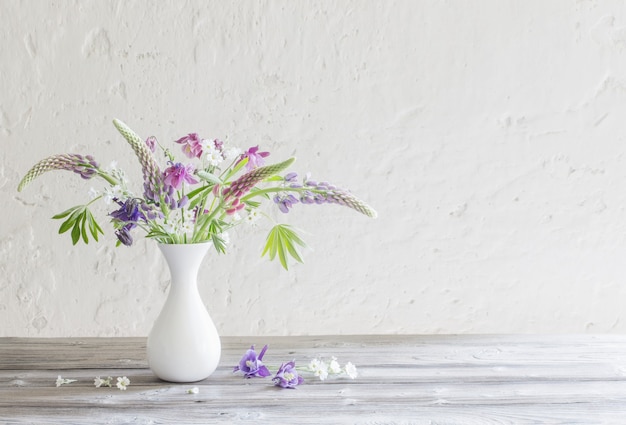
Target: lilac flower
[[151, 143], [178, 173], [192, 145], [255, 158], [285, 202], [251, 365], [287, 376]]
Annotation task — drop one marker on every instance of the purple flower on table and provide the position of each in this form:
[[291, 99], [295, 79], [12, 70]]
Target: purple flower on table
[[192, 145], [285, 202], [287, 376], [178, 173], [255, 158], [252, 365]]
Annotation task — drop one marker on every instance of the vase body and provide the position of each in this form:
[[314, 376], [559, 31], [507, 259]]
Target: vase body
[[183, 345]]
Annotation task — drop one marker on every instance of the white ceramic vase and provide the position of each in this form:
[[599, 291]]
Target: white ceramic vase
[[184, 345]]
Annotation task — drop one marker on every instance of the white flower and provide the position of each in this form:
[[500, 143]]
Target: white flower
[[113, 192], [186, 223], [93, 193], [193, 390], [334, 366], [98, 382], [61, 381], [252, 217], [212, 155], [122, 383], [319, 368], [112, 167], [350, 370], [231, 153]]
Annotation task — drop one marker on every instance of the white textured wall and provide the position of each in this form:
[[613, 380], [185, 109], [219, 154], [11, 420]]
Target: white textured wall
[[489, 135]]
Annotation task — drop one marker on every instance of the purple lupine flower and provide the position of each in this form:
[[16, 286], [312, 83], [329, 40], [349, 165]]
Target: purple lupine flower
[[287, 376], [291, 177], [151, 143], [285, 202], [85, 166], [255, 158], [152, 176], [251, 365], [192, 145], [178, 173]]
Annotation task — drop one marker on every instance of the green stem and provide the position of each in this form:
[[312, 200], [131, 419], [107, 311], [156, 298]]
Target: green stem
[[110, 179], [279, 189]]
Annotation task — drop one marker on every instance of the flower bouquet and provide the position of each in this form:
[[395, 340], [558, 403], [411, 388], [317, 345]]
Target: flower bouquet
[[199, 200], [188, 207]]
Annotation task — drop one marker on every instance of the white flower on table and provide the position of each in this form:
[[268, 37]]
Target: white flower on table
[[350, 370], [123, 382], [62, 381]]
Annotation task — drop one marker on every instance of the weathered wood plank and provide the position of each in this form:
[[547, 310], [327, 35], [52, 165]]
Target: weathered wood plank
[[522, 379]]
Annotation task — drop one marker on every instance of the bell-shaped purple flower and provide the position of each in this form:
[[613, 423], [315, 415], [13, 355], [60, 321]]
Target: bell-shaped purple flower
[[287, 376], [178, 173], [192, 145], [129, 212], [124, 236], [255, 158], [251, 365]]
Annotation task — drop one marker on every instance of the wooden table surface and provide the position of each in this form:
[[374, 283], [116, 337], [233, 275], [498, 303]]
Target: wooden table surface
[[522, 379]]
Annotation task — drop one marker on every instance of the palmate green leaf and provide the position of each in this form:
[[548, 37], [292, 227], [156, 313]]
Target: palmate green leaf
[[282, 241], [82, 222]]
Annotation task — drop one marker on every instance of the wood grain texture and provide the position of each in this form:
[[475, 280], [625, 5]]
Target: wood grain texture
[[402, 380]]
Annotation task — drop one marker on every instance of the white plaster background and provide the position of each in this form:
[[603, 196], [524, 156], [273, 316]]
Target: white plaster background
[[489, 135]]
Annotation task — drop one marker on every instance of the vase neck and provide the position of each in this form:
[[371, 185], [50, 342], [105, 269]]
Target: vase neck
[[184, 261]]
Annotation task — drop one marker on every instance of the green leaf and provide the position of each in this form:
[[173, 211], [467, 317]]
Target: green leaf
[[282, 240], [71, 221], [236, 169], [83, 230], [67, 212], [209, 177], [94, 228], [281, 251], [76, 232]]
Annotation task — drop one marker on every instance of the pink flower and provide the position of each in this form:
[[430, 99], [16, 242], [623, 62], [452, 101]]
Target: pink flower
[[179, 173], [151, 143], [192, 145], [255, 158]]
